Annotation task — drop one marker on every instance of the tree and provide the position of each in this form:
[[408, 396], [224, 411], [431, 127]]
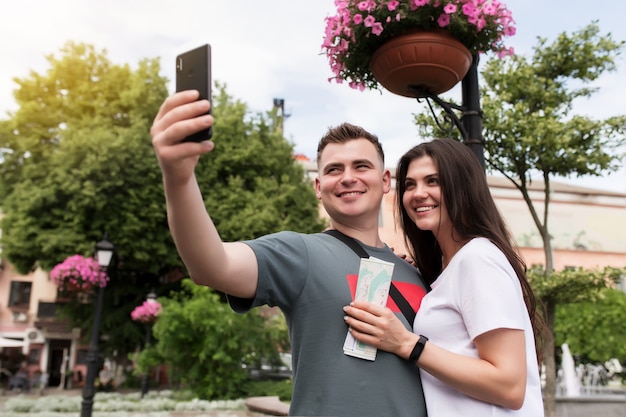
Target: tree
[[221, 340], [530, 128], [77, 164], [253, 184], [77, 161], [595, 330], [79, 156]]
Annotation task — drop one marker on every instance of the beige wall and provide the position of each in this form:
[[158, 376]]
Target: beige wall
[[41, 290]]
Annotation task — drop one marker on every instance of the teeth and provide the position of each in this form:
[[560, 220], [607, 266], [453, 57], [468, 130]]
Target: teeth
[[351, 194], [422, 209]]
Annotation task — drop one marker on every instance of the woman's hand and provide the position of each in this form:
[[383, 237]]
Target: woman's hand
[[379, 327], [404, 256]]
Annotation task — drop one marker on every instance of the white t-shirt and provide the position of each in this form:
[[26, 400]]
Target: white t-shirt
[[476, 293]]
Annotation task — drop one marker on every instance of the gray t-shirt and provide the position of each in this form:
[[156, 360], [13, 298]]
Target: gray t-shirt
[[311, 278]]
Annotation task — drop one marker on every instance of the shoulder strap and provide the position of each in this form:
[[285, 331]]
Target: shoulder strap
[[352, 243], [395, 294]]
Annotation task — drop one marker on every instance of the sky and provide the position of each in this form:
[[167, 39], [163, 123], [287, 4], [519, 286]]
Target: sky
[[269, 49]]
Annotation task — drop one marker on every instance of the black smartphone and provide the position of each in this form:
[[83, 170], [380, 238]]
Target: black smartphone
[[193, 72]]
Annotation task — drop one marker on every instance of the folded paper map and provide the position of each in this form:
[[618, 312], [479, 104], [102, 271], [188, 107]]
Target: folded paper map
[[373, 286]]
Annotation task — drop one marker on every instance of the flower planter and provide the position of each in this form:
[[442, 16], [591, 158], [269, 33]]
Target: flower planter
[[78, 274], [147, 312], [76, 287], [430, 60]]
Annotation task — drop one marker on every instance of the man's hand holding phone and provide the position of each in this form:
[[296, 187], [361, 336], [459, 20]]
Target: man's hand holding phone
[[180, 116], [193, 72], [183, 126]]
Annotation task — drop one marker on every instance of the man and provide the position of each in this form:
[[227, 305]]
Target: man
[[310, 277]]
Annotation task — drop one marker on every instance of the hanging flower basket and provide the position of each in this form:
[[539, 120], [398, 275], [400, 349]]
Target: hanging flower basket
[[146, 312], [78, 273], [421, 62], [360, 27]]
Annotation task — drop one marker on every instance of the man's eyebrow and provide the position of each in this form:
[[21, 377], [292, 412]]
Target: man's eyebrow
[[332, 165], [362, 161]]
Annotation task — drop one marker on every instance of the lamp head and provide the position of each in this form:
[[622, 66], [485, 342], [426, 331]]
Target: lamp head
[[104, 251]]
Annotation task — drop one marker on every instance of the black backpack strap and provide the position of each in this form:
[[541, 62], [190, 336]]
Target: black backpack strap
[[395, 294], [402, 304], [352, 244]]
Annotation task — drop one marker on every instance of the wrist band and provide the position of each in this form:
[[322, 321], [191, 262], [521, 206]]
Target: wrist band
[[418, 349]]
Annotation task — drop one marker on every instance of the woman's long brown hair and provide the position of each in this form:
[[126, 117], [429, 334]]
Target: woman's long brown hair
[[471, 209]]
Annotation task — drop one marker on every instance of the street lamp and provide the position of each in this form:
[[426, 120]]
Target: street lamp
[[151, 298], [104, 252]]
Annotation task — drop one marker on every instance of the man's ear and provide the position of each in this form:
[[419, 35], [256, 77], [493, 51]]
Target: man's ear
[[386, 181], [318, 192]]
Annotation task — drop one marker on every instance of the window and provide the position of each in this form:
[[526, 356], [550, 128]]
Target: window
[[33, 356], [81, 356], [20, 294]]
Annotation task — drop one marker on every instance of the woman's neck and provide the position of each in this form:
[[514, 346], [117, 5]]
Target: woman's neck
[[450, 245]]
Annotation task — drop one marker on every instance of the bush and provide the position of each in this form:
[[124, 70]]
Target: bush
[[205, 344], [281, 389]]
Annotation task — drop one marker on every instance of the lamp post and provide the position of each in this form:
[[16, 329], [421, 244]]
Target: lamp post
[[472, 116], [104, 252], [470, 125], [151, 298]]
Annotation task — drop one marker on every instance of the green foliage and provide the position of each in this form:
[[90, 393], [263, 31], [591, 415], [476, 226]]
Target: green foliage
[[252, 157], [542, 92], [573, 285], [594, 330], [77, 163], [281, 389], [81, 164], [76, 160], [206, 343]]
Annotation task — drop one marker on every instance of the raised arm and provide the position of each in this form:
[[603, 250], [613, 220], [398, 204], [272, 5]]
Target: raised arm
[[227, 267]]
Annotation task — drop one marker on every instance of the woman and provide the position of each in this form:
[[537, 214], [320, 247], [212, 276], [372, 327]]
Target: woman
[[473, 335]]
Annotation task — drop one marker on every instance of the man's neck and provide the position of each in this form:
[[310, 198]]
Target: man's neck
[[367, 236]]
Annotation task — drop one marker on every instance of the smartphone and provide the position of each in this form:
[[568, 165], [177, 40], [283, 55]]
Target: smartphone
[[193, 72]]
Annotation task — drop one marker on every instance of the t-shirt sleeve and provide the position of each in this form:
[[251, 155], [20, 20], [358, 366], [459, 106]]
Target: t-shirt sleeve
[[283, 264], [490, 295]]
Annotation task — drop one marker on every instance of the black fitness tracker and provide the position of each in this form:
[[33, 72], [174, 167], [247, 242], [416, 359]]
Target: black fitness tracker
[[418, 349]]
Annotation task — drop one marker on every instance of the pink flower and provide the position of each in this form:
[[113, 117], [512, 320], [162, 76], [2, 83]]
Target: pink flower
[[419, 3], [78, 273], [367, 5], [359, 27], [392, 5], [377, 28], [444, 20], [146, 312], [369, 21], [449, 8]]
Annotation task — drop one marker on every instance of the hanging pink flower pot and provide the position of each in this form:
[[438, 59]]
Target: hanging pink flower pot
[[77, 273]]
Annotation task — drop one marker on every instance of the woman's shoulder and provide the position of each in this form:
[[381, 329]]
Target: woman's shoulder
[[480, 250]]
